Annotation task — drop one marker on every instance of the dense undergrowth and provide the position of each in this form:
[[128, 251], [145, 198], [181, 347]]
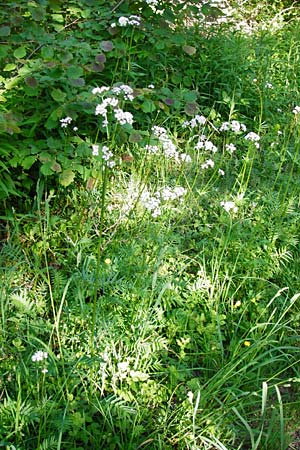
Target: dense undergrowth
[[149, 225]]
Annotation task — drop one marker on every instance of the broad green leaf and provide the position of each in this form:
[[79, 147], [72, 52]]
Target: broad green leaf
[[58, 95], [37, 13], [3, 51], [4, 31], [191, 108], [66, 177], [20, 52], [74, 72], [27, 162], [77, 82], [31, 82], [190, 50], [47, 52], [148, 106], [190, 96], [9, 67], [56, 167], [211, 11]]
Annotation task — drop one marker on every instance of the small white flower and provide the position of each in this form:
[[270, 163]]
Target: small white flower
[[296, 110], [221, 172], [100, 90], [235, 126], [151, 86], [152, 149], [123, 117], [207, 164], [44, 371], [75, 128], [123, 21], [95, 150], [159, 131], [185, 158], [269, 85], [196, 121], [208, 145], [229, 206], [190, 397], [230, 148], [124, 89], [253, 137], [39, 356], [225, 126], [65, 122]]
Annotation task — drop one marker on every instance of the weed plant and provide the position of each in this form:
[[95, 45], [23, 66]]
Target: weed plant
[[149, 252]]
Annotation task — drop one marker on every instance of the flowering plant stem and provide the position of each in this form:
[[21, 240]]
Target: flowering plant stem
[[99, 254]]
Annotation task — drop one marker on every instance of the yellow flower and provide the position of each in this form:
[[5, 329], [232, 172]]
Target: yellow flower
[[247, 343], [107, 261], [237, 304]]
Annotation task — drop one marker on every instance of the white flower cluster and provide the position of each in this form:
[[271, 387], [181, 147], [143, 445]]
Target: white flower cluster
[[229, 206], [106, 154], [39, 356], [205, 144], [65, 122], [124, 21], [153, 202], [231, 148], [124, 90], [121, 116], [194, 122], [234, 126], [207, 164], [152, 149], [100, 90], [152, 2], [169, 148], [253, 137], [296, 110]]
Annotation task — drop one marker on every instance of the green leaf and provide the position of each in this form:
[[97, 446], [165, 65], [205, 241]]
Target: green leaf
[[74, 72], [27, 162], [58, 95], [188, 49], [4, 31], [77, 82], [9, 67], [37, 13], [31, 82], [56, 167], [191, 108], [190, 96], [66, 177], [20, 52], [46, 168], [211, 11], [3, 51], [47, 52], [148, 106]]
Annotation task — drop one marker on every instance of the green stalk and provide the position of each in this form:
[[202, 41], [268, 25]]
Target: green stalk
[[99, 254]]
